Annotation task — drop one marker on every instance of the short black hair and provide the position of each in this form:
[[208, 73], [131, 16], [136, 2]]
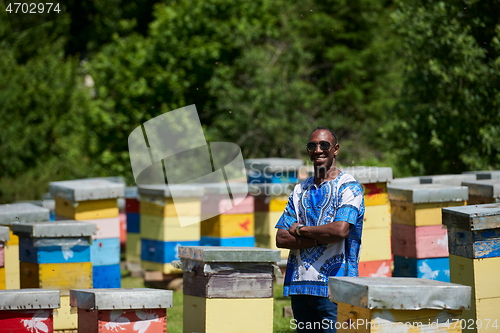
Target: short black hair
[[326, 129]]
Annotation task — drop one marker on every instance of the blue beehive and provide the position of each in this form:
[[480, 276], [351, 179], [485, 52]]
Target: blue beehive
[[431, 268], [54, 242], [105, 251], [162, 252], [106, 276], [54, 250], [133, 223]]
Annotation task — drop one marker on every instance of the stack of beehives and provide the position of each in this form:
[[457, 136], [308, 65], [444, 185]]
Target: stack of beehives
[[167, 222], [419, 241], [9, 215], [375, 256], [227, 214], [95, 201]]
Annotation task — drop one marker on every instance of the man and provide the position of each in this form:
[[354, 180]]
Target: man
[[321, 225]]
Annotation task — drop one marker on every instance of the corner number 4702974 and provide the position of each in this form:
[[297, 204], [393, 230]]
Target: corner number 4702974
[[32, 8]]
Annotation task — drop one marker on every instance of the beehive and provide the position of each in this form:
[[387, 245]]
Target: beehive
[[381, 304], [418, 238], [94, 201], [56, 255], [474, 243], [121, 310], [170, 217], [28, 310], [227, 215], [485, 174], [4, 237], [132, 211], [225, 287], [375, 254], [483, 191], [9, 215]]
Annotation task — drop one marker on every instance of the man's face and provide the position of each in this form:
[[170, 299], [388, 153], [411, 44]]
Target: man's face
[[319, 157]]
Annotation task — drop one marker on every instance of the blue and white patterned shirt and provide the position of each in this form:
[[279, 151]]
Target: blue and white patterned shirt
[[340, 199]]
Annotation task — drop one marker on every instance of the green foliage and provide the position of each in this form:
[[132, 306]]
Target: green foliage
[[448, 116], [138, 78], [262, 74], [43, 107], [327, 64]]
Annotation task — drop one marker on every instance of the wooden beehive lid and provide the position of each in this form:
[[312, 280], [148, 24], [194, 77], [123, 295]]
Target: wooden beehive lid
[[4, 234], [121, 298], [169, 191], [367, 175], [489, 188], [424, 193], [405, 181], [22, 212], [87, 189], [399, 293], [486, 174], [474, 217], [67, 228], [455, 180], [27, 299], [229, 254]]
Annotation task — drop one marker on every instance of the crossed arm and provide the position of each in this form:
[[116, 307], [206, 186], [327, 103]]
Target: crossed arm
[[312, 235]]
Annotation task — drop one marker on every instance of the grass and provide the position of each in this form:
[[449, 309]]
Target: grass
[[174, 322]]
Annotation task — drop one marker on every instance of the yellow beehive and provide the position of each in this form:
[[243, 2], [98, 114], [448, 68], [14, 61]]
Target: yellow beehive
[[408, 321], [166, 207], [228, 225], [376, 236], [14, 239], [12, 264], [278, 203], [168, 229], [377, 217], [420, 214], [375, 194], [227, 315], [375, 244], [385, 304], [86, 210], [66, 317], [133, 247], [482, 275], [60, 276]]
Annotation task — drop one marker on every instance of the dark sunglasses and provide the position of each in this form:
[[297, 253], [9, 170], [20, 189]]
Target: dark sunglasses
[[323, 145]]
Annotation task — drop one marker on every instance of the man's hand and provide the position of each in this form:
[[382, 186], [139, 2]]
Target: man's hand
[[293, 229]]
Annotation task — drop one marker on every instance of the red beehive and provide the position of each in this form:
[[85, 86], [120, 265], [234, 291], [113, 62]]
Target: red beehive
[[28, 310], [139, 310]]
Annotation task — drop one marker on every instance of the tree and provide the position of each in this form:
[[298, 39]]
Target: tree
[[43, 110], [448, 117], [261, 74], [329, 63]]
